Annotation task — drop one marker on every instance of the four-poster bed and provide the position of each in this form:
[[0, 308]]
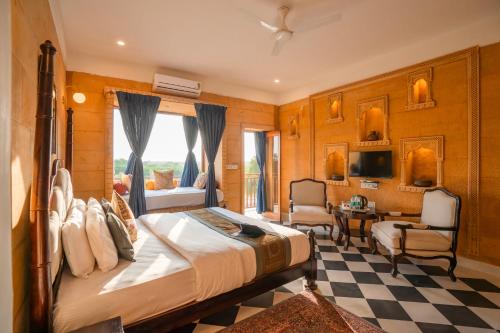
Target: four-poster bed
[[49, 274]]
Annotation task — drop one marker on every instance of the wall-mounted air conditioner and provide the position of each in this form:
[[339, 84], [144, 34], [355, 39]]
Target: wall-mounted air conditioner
[[166, 84]]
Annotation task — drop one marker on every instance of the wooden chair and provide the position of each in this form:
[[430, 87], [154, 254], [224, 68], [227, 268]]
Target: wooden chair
[[436, 235], [308, 204]]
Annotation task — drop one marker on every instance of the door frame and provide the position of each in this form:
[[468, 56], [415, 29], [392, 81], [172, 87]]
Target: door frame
[[269, 155], [6, 306], [247, 127]]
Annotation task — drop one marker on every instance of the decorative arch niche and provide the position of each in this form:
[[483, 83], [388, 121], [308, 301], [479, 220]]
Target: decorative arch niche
[[420, 90], [336, 163], [372, 119], [421, 159], [334, 110]]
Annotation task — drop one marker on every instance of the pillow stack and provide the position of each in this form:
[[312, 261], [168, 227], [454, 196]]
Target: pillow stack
[[97, 233]]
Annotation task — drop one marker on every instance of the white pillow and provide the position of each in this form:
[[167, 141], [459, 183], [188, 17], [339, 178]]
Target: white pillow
[[76, 244], [100, 239], [56, 247]]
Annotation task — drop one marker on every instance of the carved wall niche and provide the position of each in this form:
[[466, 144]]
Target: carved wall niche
[[334, 110], [336, 161], [293, 126], [421, 159], [372, 119], [420, 90]]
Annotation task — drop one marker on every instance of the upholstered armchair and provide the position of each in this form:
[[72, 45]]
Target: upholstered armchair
[[308, 204], [434, 237]]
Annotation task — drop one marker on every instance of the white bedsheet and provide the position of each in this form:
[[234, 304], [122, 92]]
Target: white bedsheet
[[160, 280], [179, 196], [221, 263]]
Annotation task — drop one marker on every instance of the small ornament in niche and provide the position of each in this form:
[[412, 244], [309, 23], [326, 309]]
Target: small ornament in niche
[[372, 136]]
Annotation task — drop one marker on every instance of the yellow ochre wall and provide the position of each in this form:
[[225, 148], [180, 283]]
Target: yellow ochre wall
[[31, 25], [448, 118], [89, 172]]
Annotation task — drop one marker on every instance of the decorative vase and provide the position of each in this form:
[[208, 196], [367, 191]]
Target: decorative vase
[[372, 136]]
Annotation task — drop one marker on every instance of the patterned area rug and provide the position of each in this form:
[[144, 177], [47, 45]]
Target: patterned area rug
[[421, 299]]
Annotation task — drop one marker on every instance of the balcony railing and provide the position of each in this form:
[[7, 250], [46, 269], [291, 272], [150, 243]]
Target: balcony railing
[[251, 181]]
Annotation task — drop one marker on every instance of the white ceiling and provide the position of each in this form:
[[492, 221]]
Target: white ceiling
[[217, 42]]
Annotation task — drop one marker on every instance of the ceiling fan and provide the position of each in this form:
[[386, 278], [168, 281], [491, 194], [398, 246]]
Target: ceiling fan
[[282, 33]]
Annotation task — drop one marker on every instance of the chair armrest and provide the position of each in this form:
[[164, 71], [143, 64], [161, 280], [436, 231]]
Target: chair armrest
[[416, 226], [411, 214], [329, 207], [421, 226], [291, 206]]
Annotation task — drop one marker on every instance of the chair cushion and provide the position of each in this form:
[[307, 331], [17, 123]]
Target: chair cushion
[[427, 240], [310, 215]]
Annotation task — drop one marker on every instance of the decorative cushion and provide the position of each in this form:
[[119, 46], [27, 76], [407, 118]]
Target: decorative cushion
[[308, 193], [164, 179], [100, 239], [127, 181], [439, 210], [120, 188], [56, 246], [120, 236], [427, 240], [149, 185], [310, 215], [201, 180], [76, 243], [123, 211]]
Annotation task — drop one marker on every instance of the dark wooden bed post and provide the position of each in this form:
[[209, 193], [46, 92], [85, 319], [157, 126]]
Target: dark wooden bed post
[[312, 273], [69, 141], [41, 283]]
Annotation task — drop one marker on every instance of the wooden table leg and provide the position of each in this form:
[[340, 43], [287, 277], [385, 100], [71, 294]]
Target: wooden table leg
[[362, 230], [347, 233], [340, 224]]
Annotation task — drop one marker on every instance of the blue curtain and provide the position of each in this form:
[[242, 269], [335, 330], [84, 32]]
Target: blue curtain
[[138, 116], [130, 164], [260, 151], [211, 121], [190, 171]]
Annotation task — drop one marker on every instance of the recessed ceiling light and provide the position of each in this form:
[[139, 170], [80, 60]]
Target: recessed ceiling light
[[120, 43], [276, 80]]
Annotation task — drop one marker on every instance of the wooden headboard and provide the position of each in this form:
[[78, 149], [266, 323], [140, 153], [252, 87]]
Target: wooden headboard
[[45, 165]]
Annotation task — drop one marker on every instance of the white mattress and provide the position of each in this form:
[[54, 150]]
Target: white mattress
[[132, 290], [179, 196], [221, 263]]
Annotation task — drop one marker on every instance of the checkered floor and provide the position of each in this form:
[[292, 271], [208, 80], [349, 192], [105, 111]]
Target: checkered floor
[[421, 299]]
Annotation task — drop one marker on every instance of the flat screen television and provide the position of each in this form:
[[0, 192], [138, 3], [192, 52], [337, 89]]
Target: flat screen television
[[375, 164]]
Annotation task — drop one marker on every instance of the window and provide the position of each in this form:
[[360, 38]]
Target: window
[[166, 148]]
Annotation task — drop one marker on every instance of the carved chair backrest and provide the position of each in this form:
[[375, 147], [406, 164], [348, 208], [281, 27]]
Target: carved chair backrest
[[441, 209], [308, 192]]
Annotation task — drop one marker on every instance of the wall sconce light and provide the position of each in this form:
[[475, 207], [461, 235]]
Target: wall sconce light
[[79, 97]]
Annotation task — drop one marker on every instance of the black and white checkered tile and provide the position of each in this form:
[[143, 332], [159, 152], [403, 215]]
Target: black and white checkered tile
[[420, 299]]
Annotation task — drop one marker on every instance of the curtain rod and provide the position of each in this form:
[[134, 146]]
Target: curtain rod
[[167, 98]]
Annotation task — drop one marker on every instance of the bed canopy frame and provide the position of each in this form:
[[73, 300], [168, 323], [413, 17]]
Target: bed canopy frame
[[44, 292]]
